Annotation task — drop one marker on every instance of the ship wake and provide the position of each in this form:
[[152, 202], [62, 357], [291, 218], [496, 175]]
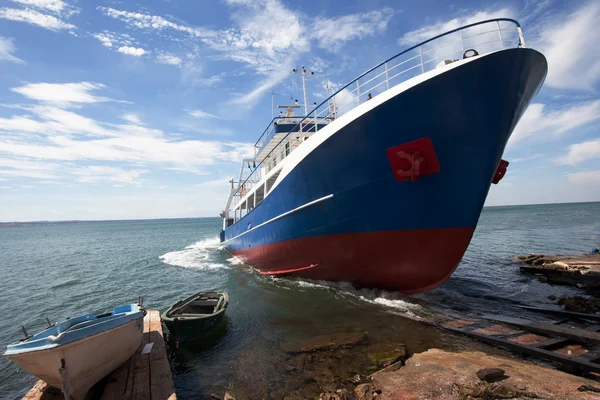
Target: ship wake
[[202, 255]]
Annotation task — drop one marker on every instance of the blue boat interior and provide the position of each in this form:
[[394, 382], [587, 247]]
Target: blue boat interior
[[76, 328]]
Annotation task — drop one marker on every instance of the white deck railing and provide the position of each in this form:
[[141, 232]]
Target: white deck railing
[[484, 37]]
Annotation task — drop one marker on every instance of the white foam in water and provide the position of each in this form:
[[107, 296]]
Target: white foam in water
[[370, 296], [197, 255], [234, 261]]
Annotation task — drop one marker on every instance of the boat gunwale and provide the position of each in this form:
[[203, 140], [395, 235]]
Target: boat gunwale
[[167, 317], [62, 347]]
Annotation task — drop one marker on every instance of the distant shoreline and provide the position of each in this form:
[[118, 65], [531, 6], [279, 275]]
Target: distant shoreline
[[87, 221]]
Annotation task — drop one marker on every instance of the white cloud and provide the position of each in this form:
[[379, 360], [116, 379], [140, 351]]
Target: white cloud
[[113, 39], [132, 51], [585, 177], [429, 31], [168, 59], [7, 48], [269, 37], [97, 173], [579, 152], [54, 6], [18, 167], [210, 81], [330, 33], [550, 123], [132, 118], [201, 114], [149, 22], [35, 18], [62, 93], [26, 174], [104, 39], [50, 134], [570, 43]]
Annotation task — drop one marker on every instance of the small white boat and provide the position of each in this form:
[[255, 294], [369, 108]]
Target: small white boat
[[75, 354]]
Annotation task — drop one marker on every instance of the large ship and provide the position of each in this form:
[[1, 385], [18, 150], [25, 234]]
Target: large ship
[[382, 184]]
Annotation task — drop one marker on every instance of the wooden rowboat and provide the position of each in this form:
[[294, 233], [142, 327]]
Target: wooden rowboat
[[196, 314]]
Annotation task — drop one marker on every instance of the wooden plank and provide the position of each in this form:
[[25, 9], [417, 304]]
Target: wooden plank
[[160, 370], [576, 363], [569, 314], [160, 376], [554, 342], [116, 382], [140, 388], [568, 332], [41, 390]]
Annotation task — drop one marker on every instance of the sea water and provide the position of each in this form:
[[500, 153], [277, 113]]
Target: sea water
[[57, 270]]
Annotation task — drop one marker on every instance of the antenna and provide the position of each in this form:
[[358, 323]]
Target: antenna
[[272, 103], [304, 73]]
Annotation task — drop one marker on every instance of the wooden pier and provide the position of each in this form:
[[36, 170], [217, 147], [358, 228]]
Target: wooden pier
[[143, 376]]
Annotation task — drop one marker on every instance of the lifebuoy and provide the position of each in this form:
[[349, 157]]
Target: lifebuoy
[[474, 53]]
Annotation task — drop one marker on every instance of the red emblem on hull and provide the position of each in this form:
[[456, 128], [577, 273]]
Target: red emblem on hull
[[500, 172], [413, 160]]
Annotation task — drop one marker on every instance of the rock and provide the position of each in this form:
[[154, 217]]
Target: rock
[[364, 391], [552, 297], [588, 388], [340, 394], [355, 379], [386, 354], [580, 304], [490, 374], [324, 342], [440, 371], [228, 396]]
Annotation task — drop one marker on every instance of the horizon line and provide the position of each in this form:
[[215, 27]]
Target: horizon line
[[182, 218]]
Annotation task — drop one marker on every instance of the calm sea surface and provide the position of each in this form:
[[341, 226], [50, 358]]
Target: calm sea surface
[[57, 270]]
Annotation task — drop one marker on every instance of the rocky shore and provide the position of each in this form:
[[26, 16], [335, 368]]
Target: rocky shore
[[582, 271], [324, 363]]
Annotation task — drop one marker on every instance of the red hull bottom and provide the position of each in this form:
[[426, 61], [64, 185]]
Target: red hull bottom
[[407, 261]]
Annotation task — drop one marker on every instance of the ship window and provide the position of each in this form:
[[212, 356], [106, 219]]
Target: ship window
[[260, 194], [287, 149]]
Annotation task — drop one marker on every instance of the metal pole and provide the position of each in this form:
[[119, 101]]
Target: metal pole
[[521, 38], [358, 91], [387, 78], [421, 55], [500, 34], [304, 90]]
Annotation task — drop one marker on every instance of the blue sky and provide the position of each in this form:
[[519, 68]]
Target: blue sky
[[118, 109]]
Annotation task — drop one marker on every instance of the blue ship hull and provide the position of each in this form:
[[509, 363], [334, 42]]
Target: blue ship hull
[[341, 214]]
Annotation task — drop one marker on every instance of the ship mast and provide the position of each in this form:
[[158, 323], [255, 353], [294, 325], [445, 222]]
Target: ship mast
[[303, 74]]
